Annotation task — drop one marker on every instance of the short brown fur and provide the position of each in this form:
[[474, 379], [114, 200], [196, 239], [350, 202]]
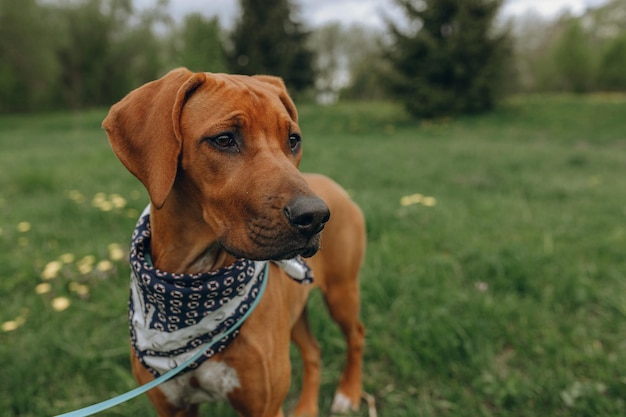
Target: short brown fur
[[207, 202]]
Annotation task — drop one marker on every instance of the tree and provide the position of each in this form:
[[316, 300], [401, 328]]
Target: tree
[[81, 54], [572, 57], [531, 36], [612, 71], [364, 49], [76, 53], [105, 49], [267, 40], [348, 62], [329, 61], [453, 63], [27, 61], [201, 47]]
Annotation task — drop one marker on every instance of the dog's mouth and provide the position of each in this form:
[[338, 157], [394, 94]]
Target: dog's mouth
[[309, 252], [306, 251], [288, 250]]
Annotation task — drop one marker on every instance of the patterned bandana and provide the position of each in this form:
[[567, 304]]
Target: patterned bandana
[[172, 316]]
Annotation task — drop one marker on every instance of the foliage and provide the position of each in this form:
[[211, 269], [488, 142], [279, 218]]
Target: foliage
[[330, 60], [530, 32], [348, 62], [101, 53], [503, 294], [82, 53], [573, 60], [27, 59], [573, 53], [453, 62], [573, 67], [611, 72], [92, 52], [268, 40], [365, 50], [75, 54], [201, 45]]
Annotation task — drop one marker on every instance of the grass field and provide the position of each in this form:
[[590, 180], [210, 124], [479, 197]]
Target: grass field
[[500, 290]]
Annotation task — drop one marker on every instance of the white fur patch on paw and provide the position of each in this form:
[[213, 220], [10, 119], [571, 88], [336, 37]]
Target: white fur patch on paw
[[342, 404]]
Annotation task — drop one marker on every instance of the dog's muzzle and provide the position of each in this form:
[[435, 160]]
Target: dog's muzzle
[[308, 214]]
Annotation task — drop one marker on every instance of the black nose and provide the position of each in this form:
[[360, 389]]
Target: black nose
[[307, 213]]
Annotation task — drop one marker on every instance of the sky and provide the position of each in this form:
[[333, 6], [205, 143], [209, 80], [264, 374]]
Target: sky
[[366, 12]]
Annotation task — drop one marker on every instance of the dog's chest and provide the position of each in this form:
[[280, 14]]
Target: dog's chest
[[212, 381]]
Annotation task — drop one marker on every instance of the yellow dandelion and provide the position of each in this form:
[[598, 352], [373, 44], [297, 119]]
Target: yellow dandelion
[[67, 258], [106, 206], [115, 252], [60, 303], [84, 268], [76, 196], [409, 200], [87, 260], [118, 201], [43, 288], [23, 227], [85, 264], [104, 266], [80, 289], [98, 199], [51, 270], [9, 326]]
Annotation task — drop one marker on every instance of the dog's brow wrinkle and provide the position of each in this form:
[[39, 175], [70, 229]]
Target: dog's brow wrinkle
[[237, 119]]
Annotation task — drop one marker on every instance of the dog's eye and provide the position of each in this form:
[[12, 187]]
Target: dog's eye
[[294, 142], [223, 141]]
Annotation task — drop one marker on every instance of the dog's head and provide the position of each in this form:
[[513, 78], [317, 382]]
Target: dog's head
[[229, 145]]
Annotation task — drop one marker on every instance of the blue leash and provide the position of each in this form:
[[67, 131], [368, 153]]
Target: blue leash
[[105, 405]]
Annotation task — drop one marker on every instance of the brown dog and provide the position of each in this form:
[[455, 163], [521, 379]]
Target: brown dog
[[218, 155]]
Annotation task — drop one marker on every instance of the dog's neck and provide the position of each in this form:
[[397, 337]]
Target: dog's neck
[[182, 242]]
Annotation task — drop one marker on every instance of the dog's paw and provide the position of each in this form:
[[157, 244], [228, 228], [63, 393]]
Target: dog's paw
[[342, 404]]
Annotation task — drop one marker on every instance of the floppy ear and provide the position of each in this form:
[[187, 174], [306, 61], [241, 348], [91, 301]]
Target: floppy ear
[[279, 85], [144, 130]]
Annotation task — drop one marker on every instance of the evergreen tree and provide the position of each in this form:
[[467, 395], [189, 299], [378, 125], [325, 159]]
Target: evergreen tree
[[267, 40], [453, 63]]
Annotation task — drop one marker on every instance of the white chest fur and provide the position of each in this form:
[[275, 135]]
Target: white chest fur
[[215, 381]]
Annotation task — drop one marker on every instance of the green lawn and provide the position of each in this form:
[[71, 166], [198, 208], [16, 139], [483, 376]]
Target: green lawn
[[501, 291]]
